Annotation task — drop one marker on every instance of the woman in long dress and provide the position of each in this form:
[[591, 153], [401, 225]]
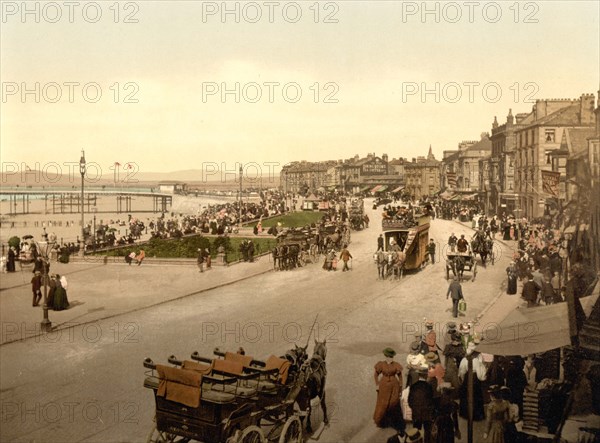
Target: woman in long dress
[[388, 380], [60, 294], [511, 272], [10, 260], [497, 417]]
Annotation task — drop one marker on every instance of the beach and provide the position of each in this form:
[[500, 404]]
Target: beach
[[67, 226]]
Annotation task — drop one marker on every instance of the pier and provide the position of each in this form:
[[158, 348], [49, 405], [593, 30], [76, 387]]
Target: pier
[[70, 201]]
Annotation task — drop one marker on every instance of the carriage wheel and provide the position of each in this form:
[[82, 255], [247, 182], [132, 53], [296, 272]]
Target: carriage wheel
[[157, 436], [292, 431], [474, 271], [252, 434]]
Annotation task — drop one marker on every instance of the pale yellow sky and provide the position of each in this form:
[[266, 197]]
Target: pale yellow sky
[[354, 69]]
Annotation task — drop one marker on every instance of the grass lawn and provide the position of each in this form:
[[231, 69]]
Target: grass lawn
[[187, 247], [293, 220]]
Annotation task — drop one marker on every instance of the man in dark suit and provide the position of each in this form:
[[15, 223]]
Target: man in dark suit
[[455, 290], [420, 400], [380, 243], [530, 292]]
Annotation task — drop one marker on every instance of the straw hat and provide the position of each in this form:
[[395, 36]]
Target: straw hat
[[431, 357]]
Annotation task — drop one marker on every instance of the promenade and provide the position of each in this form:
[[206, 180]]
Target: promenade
[[102, 291]]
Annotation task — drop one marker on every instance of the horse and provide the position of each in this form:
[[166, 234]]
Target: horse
[[457, 263], [314, 374], [397, 264], [381, 259], [483, 247]]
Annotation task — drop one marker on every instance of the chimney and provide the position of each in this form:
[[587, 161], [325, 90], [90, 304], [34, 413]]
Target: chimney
[[586, 109], [414, 160], [520, 117]]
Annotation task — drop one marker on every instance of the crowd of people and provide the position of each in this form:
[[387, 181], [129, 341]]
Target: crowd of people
[[431, 390]]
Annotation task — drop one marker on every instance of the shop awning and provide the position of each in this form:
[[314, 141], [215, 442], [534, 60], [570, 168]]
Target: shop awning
[[469, 197], [375, 189], [365, 188], [510, 328], [382, 188], [398, 189]]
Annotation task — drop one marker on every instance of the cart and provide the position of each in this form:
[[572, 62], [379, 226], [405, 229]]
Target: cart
[[459, 262], [241, 405]]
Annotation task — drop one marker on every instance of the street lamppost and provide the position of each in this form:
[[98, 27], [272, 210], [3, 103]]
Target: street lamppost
[[240, 218], [82, 172], [44, 249]]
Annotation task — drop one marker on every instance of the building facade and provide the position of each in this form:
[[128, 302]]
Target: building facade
[[500, 191], [539, 136], [422, 177]]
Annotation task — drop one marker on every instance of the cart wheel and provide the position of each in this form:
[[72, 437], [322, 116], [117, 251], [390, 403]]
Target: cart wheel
[[474, 271], [292, 431], [252, 434], [153, 436]]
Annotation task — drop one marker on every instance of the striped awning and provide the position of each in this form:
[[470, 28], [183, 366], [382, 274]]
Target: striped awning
[[398, 189], [382, 188], [376, 189], [365, 188]]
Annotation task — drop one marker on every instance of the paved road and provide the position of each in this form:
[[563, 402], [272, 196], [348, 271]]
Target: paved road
[[87, 384]]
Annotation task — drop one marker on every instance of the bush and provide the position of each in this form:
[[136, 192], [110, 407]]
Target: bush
[[221, 241], [15, 242]]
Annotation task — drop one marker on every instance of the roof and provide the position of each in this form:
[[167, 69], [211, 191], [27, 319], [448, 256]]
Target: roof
[[567, 116], [423, 164], [366, 160], [485, 144], [579, 138], [519, 330]]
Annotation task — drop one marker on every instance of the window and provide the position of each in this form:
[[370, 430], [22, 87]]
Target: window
[[549, 136]]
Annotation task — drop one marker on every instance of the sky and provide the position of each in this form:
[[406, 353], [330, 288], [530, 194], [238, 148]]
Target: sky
[[180, 85]]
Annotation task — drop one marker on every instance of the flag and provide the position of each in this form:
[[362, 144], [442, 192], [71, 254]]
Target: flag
[[550, 180], [451, 178]]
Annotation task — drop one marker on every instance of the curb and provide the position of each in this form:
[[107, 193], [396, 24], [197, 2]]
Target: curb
[[59, 328]]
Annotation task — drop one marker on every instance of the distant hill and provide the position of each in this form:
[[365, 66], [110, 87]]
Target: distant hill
[[193, 177]]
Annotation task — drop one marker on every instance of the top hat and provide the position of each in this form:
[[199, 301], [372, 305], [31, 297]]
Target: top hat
[[415, 346]]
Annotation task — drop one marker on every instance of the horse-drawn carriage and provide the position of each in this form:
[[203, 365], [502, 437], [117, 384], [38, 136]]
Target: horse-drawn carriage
[[356, 215], [234, 398], [293, 249], [459, 262], [405, 246]]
